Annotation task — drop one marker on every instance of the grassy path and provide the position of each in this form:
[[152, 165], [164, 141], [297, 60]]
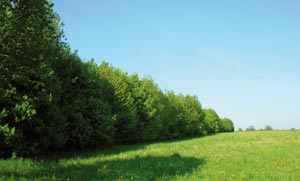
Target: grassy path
[[273, 155]]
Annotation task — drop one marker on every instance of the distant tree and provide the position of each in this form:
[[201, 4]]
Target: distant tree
[[192, 115], [226, 125], [181, 116], [212, 121], [251, 128], [268, 128], [293, 129], [240, 129]]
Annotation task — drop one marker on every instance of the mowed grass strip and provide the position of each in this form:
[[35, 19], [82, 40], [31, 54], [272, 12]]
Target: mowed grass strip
[[260, 155]]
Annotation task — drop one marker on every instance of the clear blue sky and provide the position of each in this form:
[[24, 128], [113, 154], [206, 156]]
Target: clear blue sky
[[241, 58]]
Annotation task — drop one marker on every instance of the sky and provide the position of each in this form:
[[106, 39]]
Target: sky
[[240, 58]]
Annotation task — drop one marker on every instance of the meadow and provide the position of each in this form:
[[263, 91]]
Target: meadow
[[257, 155]]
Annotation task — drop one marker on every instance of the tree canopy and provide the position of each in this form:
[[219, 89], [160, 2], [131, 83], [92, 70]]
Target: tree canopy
[[52, 100]]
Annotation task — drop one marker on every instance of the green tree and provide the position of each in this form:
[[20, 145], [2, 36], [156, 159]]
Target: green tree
[[251, 128], [84, 104], [192, 115], [98, 109], [168, 114], [147, 101], [176, 124], [122, 101], [227, 125], [212, 121], [181, 116], [30, 89], [50, 99], [268, 128], [240, 129]]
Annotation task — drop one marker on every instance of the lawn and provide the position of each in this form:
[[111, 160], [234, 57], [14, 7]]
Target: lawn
[[260, 155]]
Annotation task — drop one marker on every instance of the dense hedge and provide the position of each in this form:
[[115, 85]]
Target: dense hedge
[[51, 100]]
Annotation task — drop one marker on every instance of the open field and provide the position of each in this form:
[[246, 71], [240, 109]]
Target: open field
[[260, 155]]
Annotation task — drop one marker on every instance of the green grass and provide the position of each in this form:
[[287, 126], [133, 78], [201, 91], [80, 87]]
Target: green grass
[[273, 155]]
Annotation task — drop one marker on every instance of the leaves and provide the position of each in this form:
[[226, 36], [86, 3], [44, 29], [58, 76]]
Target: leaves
[[51, 100]]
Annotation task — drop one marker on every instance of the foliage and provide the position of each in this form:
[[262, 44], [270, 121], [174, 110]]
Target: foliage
[[212, 121], [268, 128], [88, 115], [122, 101], [251, 128], [148, 106], [240, 129], [51, 100], [30, 89], [226, 125], [192, 115]]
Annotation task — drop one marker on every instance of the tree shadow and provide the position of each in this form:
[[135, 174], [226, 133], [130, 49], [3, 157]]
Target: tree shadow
[[94, 152], [109, 150], [135, 168]]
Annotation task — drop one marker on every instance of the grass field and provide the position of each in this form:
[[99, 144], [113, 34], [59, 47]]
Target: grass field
[[261, 155]]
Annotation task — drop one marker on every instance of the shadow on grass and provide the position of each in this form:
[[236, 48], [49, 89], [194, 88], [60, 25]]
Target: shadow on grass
[[187, 138], [135, 168], [111, 150], [95, 152]]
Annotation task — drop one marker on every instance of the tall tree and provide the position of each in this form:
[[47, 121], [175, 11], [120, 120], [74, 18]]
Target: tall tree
[[193, 115], [123, 107], [31, 89], [147, 101]]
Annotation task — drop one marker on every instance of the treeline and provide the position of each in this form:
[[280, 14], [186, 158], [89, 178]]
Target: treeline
[[267, 128], [51, 100]]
